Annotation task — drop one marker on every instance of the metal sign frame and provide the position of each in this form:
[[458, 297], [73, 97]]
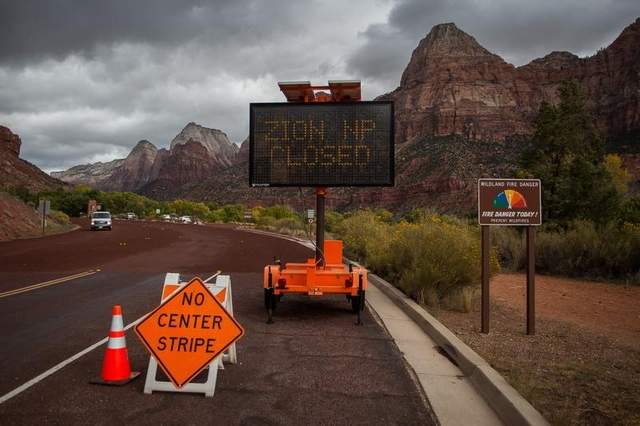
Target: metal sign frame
[[152, 384], [512, 224], [212, 359], [311, 105], [485, 253]]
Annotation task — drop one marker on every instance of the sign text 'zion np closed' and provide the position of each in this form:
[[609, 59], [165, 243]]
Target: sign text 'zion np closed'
[[321, 144], [187, 331]]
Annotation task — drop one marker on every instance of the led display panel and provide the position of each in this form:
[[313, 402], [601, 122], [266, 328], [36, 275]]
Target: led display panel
[[321, 144]]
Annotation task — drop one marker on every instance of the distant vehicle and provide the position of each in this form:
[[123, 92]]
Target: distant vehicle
[[131, 216], [100, 220], [166, 217], [186, 219]]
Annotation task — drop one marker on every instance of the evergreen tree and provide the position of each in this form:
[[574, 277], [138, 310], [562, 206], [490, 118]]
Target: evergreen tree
[[568, 156]]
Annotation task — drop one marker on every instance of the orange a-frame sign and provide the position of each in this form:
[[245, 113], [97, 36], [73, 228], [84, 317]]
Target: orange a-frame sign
[[187, 331]]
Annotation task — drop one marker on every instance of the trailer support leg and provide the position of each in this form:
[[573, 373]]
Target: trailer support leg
[[360, 301]]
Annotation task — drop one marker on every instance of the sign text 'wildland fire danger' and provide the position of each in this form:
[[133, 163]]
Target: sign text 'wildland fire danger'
[[321, 144], [509, 202], [187, 331]]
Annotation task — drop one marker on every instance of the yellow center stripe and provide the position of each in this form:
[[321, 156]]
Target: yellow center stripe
[[47, 283]]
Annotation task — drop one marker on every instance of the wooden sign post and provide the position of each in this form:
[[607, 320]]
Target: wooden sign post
[[509, 202]]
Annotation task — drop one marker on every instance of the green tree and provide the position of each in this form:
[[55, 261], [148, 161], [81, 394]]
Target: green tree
[[619, 175], [568, 156]]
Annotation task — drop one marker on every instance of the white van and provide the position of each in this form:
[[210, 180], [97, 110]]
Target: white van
[[100, 220]]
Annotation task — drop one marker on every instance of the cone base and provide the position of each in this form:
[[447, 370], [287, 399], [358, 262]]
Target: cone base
[[99, 381]]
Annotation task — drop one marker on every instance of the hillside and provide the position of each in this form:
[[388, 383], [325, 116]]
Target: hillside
[[16, 172], [19, 220]]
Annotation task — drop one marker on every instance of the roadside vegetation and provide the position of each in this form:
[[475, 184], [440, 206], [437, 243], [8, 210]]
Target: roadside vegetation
[[433, 258], [591, 222], [73, 203]]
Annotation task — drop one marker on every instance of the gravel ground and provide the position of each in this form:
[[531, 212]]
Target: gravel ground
[[578, 368]]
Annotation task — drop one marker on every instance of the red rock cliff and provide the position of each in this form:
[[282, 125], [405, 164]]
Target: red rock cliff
[[9, 141], [452, 85]]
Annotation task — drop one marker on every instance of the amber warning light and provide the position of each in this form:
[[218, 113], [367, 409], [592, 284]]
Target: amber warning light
[[321, 144]]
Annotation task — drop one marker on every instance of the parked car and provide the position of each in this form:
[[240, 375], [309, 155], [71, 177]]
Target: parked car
[[100, 220], [166, 217], [186, 219], [131, 216]]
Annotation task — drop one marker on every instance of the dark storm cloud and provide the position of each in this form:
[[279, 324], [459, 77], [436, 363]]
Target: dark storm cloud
[[519, 31], [85, 80], [36, 29]]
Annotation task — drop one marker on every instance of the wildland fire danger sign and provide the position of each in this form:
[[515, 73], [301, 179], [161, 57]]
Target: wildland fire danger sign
[[321, 144], [187, 331], [514, 202]]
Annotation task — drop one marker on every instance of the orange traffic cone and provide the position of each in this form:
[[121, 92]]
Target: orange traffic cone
[[115, 367]]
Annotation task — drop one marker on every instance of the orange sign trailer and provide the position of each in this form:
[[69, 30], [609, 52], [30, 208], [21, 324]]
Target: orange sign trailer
[[326, 274]]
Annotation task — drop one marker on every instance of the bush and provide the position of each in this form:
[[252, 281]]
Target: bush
[[436, 260], [332, 220], [59, 217], [289, 225], [609, 251], [583, 249], [510, 247], [232, 213], [188, 208], [266, 222], [363, 236], [630, 210], [278, 212]]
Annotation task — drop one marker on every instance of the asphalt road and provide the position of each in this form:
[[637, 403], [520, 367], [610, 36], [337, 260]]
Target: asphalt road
[[313, 366]]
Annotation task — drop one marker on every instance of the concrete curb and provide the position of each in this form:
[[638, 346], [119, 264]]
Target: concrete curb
[[510, 406]]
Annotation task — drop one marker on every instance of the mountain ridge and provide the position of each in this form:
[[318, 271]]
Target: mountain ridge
[[146, 164], [456, 100]]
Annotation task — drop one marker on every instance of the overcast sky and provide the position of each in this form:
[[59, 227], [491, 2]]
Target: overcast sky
[[83, 81]]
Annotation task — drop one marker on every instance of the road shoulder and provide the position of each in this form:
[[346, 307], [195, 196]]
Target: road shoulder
[[445, 385], [508, 404]]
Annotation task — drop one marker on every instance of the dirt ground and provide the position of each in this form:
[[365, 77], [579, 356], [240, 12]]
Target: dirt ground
[[583, 364]]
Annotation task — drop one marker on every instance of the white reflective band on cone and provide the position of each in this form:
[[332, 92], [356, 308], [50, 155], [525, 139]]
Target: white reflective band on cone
[[116, 323], [117, 343]]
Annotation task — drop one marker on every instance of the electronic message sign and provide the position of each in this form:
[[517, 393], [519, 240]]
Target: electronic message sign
[[321, 144], [509, 202]]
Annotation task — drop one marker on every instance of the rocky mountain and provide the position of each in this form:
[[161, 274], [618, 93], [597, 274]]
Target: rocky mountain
[[462, 112], [18, 173], [89, 174], [452, 85], [215, 141], [195, 153], [187, 163], [134, 171]]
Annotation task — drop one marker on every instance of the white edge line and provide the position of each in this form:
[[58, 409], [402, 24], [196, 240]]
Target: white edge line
[[4, 398], [49, 372]]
